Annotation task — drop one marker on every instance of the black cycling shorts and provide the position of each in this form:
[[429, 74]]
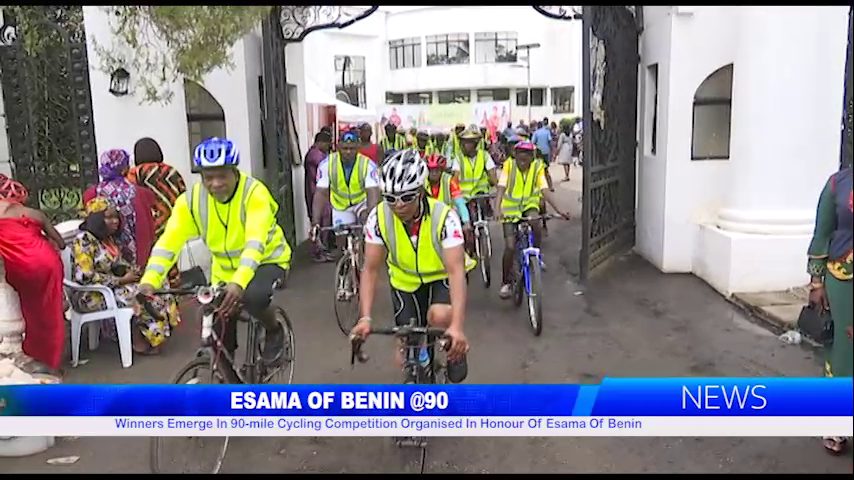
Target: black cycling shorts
[[408, 305], [256, 298]]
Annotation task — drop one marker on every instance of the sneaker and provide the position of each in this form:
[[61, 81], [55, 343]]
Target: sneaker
[[506, 291], [273, 345], [458, 371]]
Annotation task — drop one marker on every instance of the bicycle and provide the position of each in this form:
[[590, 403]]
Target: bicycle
[[347, 272], [213, 364], [527, 271], [430, 371], [482, 239]]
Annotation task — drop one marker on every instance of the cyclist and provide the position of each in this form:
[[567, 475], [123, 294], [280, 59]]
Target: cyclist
[[421, 241], [475, 169], [520, 188], [349, 181], [445, 188], [424, 144], [235, 216]]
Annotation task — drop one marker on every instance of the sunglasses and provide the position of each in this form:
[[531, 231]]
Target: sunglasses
[[405, 197]]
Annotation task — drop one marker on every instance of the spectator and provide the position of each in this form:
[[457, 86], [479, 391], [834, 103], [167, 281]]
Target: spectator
[[366, 147], [316, 154]]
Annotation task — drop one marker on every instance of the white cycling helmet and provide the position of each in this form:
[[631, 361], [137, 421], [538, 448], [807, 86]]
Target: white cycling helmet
[[216, 152], [404, 171]]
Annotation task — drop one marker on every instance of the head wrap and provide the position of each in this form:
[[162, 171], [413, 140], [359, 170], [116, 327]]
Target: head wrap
[[12, 190], [97, 205], [113, 164]]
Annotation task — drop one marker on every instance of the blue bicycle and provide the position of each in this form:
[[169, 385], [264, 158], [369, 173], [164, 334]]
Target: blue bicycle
[[527, 271]]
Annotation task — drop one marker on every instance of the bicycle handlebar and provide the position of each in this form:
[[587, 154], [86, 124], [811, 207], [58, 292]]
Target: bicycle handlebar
[[350, 227], [399, 331]]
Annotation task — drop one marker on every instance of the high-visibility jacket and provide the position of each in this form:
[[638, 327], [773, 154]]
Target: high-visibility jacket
[[473, 176], [399, 143], [241, 234], [522, 192], [344, 195], [410, 266], [444, 195]]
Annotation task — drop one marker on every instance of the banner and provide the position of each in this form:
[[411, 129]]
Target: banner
[[443, 117], [617, 407]]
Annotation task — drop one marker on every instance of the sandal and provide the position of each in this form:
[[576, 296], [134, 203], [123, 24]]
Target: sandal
[[835, 445]]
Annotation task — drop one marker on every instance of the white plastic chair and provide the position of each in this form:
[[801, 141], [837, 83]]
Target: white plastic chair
[[122, 317]]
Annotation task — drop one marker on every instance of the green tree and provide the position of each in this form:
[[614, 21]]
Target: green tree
[[159, 45]]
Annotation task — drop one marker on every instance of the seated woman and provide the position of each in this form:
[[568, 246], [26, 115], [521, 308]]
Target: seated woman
[[97, 259]]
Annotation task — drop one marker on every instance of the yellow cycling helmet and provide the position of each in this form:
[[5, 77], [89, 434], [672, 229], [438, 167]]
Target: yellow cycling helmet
[[471, 133]]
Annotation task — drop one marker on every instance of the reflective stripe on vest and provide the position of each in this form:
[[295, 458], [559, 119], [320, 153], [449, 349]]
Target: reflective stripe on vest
[[341, 195], [472, 176], [438, 213], [202, 221], [527, 194]]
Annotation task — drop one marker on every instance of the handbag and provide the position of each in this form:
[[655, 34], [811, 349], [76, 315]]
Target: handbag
[[194, 276], [816, 324]]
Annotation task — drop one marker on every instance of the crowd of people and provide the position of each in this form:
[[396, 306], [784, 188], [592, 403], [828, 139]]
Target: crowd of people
[[122, 217]]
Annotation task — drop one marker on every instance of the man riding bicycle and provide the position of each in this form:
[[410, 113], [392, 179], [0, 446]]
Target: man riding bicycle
[[235, 216], [476, 171], [520, 188], [445, 188], [421, 241], [349, 181]]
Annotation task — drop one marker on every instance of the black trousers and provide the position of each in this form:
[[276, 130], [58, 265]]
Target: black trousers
[[256, 299]]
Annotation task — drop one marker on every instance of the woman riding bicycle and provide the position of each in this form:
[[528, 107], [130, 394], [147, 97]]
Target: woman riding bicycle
[[520, 187]]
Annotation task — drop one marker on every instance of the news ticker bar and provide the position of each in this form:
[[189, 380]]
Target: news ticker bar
[[634, 397], [471, 426]]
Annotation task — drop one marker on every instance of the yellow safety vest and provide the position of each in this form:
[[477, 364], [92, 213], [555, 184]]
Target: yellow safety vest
[[398, 144], [410, 266], [344, 195], [444, 195], [241, 234], [473, 176], [522, 192]]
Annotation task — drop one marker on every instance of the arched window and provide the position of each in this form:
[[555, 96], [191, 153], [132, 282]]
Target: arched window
[[205, 117], [712, 116]]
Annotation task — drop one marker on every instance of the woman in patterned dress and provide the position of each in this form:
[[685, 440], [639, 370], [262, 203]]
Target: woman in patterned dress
[[97, 260]]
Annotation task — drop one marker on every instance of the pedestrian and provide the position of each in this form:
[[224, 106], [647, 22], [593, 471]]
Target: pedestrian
[[367, 147], [830, 266], [29, 247], [97, 260], [509, 131], [564, 151], [135, 205], [542, 138], [163, 181], [316, 154]]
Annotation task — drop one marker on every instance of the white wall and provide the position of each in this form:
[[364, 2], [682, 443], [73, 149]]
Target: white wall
[[121, 121], [650, 218]]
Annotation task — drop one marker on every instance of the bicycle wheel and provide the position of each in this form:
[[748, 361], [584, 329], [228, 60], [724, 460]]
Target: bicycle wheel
[[483, 253], [346, 298], [535, 299], [283, 373], [190, 454]]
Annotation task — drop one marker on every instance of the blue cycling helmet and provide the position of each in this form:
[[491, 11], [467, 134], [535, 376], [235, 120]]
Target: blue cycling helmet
[[216, 152]]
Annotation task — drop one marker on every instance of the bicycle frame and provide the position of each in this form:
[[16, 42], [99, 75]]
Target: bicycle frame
[[524, 249]]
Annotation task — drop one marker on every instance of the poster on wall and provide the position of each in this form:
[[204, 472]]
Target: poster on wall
[[491, 115]]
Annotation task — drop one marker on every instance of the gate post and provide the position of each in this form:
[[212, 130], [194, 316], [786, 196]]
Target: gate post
[[587, 143]]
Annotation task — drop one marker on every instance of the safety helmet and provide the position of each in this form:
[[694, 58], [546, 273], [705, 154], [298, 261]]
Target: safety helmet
[[525, 146], [436, 160], [471, 133], [216, 152], [404, 172]]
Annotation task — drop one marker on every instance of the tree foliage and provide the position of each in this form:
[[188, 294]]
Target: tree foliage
[[159, 45]]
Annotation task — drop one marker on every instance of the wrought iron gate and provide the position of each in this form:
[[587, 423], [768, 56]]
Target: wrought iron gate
[[48, 108], [274, 124], [610, 73]]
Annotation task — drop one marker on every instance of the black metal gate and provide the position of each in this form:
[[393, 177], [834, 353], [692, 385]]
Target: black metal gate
[[847, 149], [48, 107], [610, 72], [276, 130]]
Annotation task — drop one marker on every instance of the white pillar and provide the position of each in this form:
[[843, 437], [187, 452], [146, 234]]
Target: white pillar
[[786, 107], [11, 320]]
